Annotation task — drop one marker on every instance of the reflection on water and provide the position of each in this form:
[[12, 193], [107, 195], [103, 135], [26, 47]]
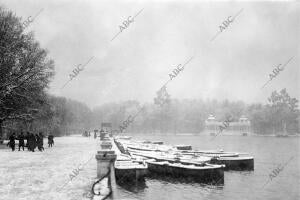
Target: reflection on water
[[133, 186], [184, 180]]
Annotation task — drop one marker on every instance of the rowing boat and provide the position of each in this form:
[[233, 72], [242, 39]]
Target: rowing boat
[[127, 169], [204, 173]]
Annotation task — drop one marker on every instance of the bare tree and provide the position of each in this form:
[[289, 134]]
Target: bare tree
[[25, 71]]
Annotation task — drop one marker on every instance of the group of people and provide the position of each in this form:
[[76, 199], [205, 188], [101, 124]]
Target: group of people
[[32, 141], [88, 134]]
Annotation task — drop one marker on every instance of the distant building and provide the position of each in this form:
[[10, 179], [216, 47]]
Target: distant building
[[240, 127]]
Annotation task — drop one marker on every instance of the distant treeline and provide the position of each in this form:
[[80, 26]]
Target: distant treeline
[[58, 116], [188, 116], [61, 116]]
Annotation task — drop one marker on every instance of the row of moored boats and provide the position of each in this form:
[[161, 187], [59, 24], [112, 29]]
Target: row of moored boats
[[137, 159]]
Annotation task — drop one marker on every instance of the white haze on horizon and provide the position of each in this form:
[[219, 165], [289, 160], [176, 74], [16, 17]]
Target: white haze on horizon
[[138, 61]]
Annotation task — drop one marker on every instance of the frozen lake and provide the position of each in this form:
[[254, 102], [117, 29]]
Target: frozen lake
[[40, 175]]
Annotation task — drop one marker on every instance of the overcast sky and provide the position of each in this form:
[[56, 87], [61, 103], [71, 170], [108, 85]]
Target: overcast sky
[[235, 65]]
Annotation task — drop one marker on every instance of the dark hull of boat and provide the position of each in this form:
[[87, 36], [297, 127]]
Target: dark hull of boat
[[184, 147], [213, 176], [238, 164], [130, 175], [158, 142]]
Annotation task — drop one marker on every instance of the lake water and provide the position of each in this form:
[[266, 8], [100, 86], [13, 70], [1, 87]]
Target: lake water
[[269, 152], [46, 175]]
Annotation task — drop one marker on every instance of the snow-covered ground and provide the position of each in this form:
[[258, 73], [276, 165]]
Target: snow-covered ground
[[41, 175]]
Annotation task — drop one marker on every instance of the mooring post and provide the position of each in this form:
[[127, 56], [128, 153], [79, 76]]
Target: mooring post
[[102, 134], [105, 158]]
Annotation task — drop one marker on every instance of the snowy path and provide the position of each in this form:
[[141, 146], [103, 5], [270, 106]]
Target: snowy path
[[41, 175]]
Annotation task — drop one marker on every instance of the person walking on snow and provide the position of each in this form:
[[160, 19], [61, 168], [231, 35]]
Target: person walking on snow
[[50, 140], [21, 141], [31, 142], [40, 142], [12, 143]]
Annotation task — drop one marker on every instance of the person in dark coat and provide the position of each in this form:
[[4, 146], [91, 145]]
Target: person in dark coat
[[50, 140], [34, 140], [21, 141], [37, 139], [40, 142], [12, 143], [27, 139], [31, 142]]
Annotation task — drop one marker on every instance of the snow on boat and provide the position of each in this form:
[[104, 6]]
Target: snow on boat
[[120, 146], [127, 169], [148, 147], [140, 148], [170, 157], [206, 173], [211, 153], [152, 155], [232, 160], [124, 137]]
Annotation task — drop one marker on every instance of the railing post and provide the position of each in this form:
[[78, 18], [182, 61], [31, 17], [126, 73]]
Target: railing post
[[105, 157], [105, 160]]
